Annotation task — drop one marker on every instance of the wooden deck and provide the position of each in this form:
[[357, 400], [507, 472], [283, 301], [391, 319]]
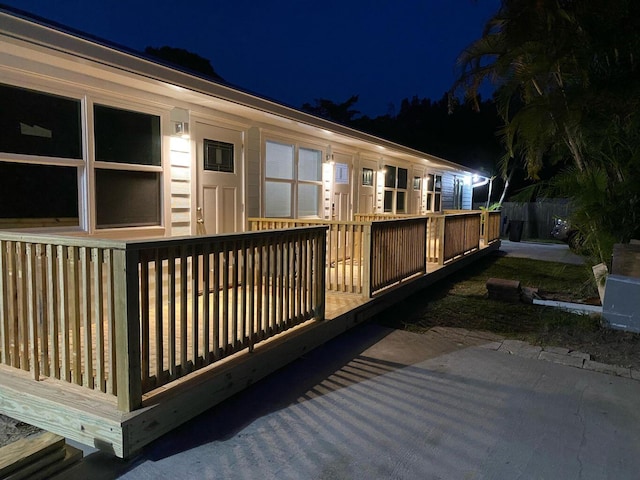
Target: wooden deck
[[94, 418]]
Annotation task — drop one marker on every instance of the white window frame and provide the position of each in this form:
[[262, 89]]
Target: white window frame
[[94, 165], [395, 190], [78, 163], [295, 182]]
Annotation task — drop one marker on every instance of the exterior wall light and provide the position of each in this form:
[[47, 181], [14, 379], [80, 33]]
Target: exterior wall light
[[179, 118]]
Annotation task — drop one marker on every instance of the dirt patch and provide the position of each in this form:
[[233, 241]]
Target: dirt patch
[[12, 430]]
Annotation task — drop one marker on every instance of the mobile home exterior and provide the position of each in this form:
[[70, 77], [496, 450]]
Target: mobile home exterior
[[95, 143]]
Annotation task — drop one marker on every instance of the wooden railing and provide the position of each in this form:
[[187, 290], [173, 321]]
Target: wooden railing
[[461, 234], [348, 250], [398, 251], [491, 226], [126, 317], [58, 308]]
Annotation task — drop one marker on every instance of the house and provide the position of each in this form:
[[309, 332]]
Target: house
[[130, 193], [87, 125]]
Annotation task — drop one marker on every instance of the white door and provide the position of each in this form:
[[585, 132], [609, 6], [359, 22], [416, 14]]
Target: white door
[[367, 186], [341, 198], [220, 174]]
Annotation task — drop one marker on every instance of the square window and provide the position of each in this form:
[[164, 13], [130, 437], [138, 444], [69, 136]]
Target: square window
[[308, 200], [341, 174], [218, 156], [279, 161], [389, 176], [400, 196], [277, 199], [388, 200], [47, 194], [402, 178], [367, 177], [127, 198], [123, 136], [34, 123], [309, 165]]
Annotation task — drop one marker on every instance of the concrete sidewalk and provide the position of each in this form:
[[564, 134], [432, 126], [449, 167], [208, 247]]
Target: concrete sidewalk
[[381, 403]]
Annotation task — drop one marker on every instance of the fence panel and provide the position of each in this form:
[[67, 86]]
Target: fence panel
[[55, 319], [345, 256], [223, 294], [461, 234], [398, 251]]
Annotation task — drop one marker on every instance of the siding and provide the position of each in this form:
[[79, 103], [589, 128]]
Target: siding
[[181, 175], [253, 191]]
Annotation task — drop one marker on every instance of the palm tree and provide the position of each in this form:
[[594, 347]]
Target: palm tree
[[568, 90]]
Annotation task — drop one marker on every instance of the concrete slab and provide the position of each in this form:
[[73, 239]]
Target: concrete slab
[[377, 403], [551, 252]]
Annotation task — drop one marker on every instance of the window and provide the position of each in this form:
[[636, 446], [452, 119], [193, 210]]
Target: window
[[367, 177], [45, 191], [458, 188], [129, 195], [218, 156], [395, 183], [123, 136], [293, 181], [416, 183], [34, 195], [34, 123], [434, 192], [127, 198]]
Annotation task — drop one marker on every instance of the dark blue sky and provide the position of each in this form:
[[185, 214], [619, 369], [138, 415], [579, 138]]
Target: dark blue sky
[[294, 51]]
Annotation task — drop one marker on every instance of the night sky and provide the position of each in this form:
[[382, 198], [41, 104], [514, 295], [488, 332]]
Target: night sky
[[294, 51]]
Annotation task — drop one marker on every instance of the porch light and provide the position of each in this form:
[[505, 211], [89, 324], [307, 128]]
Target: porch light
[[181, 129], [329, 159], [179, 118]]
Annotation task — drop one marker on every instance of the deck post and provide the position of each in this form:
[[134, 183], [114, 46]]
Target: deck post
[[366, 259], [127, 329], [441, 239]]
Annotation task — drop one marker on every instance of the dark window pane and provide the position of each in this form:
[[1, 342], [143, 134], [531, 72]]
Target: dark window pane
[[402, 178], [436, 203], [38, 192], [400, 202], [438, 183], [34, 123], [430, 182], [126, 199], [122, 136], [390, 176], [367, 177], [416, 183], [388, 200], [218, 156]]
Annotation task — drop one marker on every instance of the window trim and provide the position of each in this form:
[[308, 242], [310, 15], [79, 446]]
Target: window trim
[[294, 182], [93, 165]]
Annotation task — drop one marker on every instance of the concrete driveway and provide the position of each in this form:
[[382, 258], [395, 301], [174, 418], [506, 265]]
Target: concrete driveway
[[377, 403], [551, 252]]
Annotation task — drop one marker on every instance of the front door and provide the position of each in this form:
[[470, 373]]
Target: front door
[[367, 187], [220, 193], [341, 201]]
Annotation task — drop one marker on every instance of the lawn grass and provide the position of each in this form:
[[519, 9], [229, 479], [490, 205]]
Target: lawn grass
[[461, 301]]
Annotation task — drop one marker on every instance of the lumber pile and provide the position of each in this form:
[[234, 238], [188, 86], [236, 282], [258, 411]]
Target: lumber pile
[[37, 457]]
